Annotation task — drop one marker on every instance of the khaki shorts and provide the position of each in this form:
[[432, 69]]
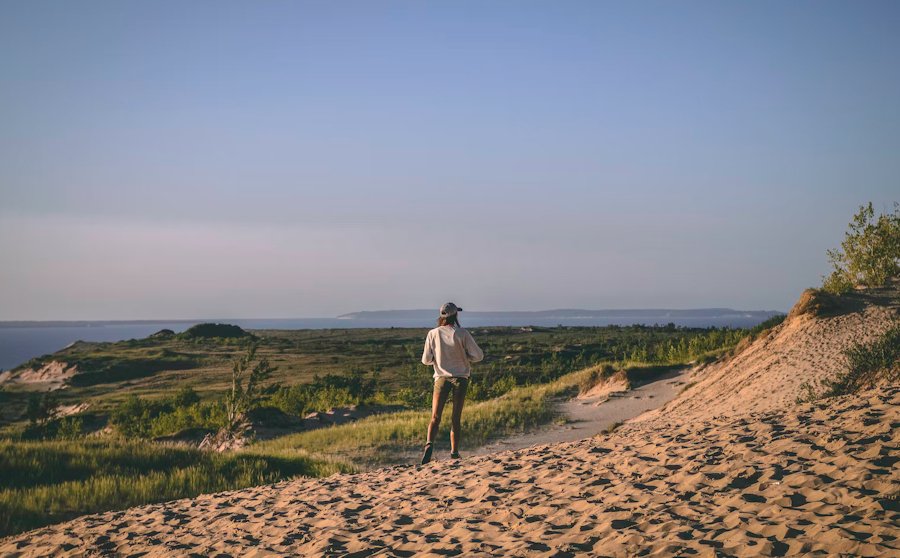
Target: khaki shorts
[[444, 385]]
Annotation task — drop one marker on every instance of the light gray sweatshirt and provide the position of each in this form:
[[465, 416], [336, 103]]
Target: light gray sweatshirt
[[451, 349]]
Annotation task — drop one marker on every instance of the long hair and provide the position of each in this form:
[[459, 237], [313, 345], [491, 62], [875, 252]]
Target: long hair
[[449, 320]]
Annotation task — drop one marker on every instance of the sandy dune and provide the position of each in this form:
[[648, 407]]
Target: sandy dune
[[768, 374], [812, 481], [53, 375], [732, 467]]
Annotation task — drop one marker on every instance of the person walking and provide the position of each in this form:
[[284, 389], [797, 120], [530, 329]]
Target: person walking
[[451, 350]]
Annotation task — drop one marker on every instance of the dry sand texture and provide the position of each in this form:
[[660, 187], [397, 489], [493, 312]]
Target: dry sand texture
[[811, 481], [768, 374], [609, 404], [733, 467]]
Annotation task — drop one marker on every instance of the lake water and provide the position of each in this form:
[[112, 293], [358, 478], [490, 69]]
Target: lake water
[[19, 343]]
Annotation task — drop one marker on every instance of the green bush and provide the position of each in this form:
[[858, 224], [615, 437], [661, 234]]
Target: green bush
[[490, 386], [40, 407], [414, 399], [185, 397], [135, 417], [869, 254], [65, 428], [246, 389], [326, 392], [869, 363], [70, 428], [209, 416]]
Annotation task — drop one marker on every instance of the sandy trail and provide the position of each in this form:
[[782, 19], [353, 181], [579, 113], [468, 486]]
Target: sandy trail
[[589, 416]]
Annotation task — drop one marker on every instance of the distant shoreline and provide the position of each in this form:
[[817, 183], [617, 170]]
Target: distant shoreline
[[23, 340], [571, 313], [423, 314]]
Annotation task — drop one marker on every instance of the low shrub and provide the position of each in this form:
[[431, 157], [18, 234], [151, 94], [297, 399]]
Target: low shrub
[[327, 392], [870, 253], [136, 417], [869, 363]]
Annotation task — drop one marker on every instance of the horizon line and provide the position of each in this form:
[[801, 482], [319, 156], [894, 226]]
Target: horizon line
[[340, 316]]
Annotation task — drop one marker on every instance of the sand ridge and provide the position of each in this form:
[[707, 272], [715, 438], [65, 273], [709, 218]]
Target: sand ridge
[[770, 372]]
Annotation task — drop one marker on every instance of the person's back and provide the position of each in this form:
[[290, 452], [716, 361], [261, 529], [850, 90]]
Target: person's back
[[450, 349]]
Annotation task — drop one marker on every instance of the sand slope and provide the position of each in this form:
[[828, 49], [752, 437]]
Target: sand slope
[[53, 375], [768, 374]]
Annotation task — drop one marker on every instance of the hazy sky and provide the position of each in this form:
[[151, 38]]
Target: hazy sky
[[290, 159]]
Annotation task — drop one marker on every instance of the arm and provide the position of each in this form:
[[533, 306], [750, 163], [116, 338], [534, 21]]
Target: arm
[[473, 351], [428, 353]]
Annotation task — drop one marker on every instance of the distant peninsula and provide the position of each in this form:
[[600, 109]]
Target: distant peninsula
[[635, 315]]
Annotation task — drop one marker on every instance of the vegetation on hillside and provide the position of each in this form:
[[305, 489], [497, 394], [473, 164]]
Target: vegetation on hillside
[[869, 363], [244, 393], [50, 481], [869, 256], [315, 370]]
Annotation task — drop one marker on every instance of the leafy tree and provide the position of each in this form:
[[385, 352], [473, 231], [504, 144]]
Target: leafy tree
[[869, 254], [246, 385], [40, 407]]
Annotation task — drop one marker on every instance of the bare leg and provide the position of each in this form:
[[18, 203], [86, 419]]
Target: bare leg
[[459, 398], [438, 399]]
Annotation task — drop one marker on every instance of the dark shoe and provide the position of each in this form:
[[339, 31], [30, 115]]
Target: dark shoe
[[426, 457], [455, 455]]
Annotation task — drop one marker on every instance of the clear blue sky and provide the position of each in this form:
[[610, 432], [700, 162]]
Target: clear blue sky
[[289, 159]]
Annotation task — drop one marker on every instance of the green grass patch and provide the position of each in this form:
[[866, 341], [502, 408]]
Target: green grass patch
[[51, 481]]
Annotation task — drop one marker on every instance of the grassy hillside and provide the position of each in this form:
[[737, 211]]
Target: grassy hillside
[[51, 481], [155, 367]]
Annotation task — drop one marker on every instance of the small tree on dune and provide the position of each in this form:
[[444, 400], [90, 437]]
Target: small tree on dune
[[870, 253], [246, 386]]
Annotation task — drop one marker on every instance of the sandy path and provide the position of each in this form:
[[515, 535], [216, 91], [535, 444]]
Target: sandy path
[[589, 416], [816, 480]]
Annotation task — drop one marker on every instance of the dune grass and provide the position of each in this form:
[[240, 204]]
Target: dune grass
[[381, 439], [50, 481], [869, 363]]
